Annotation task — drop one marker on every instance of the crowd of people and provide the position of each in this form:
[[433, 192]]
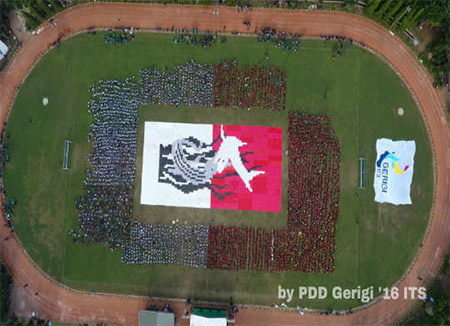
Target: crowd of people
[[249, 86], [182, 244], [9, 205], [286, 41], [239, 248], [188, 84], [340, 39], [118, 37], [341, 45], [308, 242], [194, 38], [313, 192], [226, 84], [105, 207]]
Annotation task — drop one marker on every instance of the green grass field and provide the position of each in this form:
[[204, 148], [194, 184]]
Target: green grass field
[[375, 243]]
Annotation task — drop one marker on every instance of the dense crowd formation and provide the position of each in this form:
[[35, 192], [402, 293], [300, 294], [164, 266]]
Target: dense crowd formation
[[167, 244], [119, 37], [188, 84], [313, 192], [8, 204], [249, 86], [308, 242], [239, 248], [226, 84], [105, 208], [193, 38], [286, 41]]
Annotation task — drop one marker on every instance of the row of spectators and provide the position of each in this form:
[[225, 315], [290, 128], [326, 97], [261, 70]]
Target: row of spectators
[[313, 192], [105, 207], [188, 84], [182, 244], [249, 86], [226, 84], [286, 41]]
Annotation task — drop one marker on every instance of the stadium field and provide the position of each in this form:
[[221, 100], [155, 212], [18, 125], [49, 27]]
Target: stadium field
[[361, 95]]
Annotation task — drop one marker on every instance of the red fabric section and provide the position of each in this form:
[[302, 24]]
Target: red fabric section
[[263, 152]]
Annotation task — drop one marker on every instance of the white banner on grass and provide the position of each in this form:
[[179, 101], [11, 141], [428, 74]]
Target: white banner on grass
[[154, 192], [394, 170]]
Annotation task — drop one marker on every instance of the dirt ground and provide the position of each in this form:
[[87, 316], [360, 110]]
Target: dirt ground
[[426, 35], [18, 26], [57, 302], [22, 303]]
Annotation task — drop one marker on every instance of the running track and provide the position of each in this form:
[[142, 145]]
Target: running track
[[61, 303]]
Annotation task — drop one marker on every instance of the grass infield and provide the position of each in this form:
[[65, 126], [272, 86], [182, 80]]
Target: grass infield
[[375, 243]]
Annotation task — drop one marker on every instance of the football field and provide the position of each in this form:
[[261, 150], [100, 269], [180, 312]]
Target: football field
[[358, 92]]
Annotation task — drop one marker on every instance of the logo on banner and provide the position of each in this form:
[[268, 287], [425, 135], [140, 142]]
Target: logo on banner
[[394, 162], [189, 164], [383, 168], [394, 170]]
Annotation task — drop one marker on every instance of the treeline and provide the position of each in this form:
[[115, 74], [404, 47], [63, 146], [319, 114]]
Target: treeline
[[396, 13], [4, 22], [436, 56], [36, 11], [5, 8], [403, 14], [434, 310], [5, 287]]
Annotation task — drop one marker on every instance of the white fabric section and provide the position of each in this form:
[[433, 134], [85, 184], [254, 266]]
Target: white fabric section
[[3, 50], [391, 184], [157, 193], [203, 321]]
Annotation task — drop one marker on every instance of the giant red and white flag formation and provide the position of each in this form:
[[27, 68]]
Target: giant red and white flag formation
[[212, 166]]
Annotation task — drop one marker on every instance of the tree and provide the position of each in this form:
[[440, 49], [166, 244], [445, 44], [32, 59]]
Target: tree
[[43, 5], [55, 4], [436, 12], [372, 6], [379, 13], [37, 14], [400, 15], [5, 8], [393, 10], [31, 23], [408, 12], [441, 311], [5, 287], [405, 22]]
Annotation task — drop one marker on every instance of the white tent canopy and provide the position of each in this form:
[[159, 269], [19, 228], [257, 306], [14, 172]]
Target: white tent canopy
[[3, 50], [203, 321]]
